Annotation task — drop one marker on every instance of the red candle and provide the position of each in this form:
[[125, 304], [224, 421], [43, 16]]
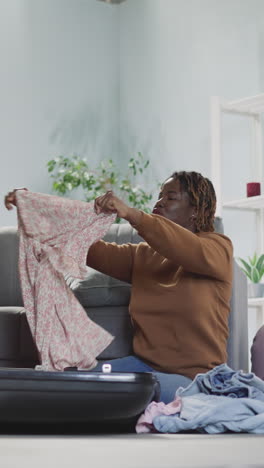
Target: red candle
[[253, 189]]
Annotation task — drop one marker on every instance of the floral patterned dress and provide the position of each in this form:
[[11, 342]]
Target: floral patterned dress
[[55, 234]]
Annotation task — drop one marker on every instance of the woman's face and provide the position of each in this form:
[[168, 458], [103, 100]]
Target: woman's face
[[175, 205]]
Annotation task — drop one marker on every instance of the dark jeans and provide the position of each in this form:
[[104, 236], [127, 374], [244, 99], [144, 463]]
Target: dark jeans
[[168, 382]]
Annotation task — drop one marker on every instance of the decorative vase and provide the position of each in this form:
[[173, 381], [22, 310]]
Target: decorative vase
[[253, 189], [255, 290]]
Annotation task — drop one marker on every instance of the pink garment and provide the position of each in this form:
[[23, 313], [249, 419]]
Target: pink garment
[[55, 235], [145, 422]]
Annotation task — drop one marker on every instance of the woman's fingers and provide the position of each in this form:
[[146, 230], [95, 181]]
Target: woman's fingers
[[105, 203], [109, 203], [98, 206], [10, 198]]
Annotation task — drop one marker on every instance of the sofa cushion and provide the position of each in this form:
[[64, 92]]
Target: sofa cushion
[[10, 292], [17, 348], [122, 234], [101, 290], [116, 320], [218, 225], [98, 289]]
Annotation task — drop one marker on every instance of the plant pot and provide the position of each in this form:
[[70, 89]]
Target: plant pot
[[255, 290]]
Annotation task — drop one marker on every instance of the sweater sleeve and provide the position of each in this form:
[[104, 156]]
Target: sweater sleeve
[[205, 253], [112, 259]]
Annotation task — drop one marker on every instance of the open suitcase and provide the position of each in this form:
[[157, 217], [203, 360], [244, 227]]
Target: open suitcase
[[82, 400]]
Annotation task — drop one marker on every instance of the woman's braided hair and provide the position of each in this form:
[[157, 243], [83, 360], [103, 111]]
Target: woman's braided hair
[[202, 196]]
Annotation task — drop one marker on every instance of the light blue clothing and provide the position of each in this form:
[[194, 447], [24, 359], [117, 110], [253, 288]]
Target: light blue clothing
[[168, 382], [222, 380], [220, 400], [214, 414]]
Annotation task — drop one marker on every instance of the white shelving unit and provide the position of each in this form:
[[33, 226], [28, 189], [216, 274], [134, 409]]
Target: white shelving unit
[[252, 108], [249, 204]]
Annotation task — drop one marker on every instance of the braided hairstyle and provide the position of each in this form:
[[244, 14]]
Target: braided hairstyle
[[202, 196]]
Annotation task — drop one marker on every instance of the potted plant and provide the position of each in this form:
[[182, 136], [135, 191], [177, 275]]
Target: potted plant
[[71, 173], [254, 269]]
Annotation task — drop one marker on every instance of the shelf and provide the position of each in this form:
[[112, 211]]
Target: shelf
[[256, 301], [251, 105], [249, 203]]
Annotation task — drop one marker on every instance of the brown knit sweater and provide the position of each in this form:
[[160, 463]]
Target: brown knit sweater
[[181, 288]]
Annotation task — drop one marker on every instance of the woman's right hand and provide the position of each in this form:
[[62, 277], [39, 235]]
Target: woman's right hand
[[109, 203], [10, 198]]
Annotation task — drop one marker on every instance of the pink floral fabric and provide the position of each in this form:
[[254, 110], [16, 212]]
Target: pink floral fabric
[[145, 421], [55, 235]]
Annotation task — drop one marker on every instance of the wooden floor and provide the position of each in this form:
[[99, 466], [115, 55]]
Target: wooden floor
[[131, 450]]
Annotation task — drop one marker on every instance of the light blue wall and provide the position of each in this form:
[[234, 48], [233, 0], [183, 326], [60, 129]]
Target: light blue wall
[[175, 55], [108, 81], [59, 87]]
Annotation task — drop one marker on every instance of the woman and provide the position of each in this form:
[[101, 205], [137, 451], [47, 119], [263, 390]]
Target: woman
[[181, 280]]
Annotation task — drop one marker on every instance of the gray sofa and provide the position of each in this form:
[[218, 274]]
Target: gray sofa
[[106, 302]]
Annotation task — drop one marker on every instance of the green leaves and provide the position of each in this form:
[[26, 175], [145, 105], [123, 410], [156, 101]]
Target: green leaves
[[254, 268], [67, 173], [138, 164], [260, 261], [70, 173]]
